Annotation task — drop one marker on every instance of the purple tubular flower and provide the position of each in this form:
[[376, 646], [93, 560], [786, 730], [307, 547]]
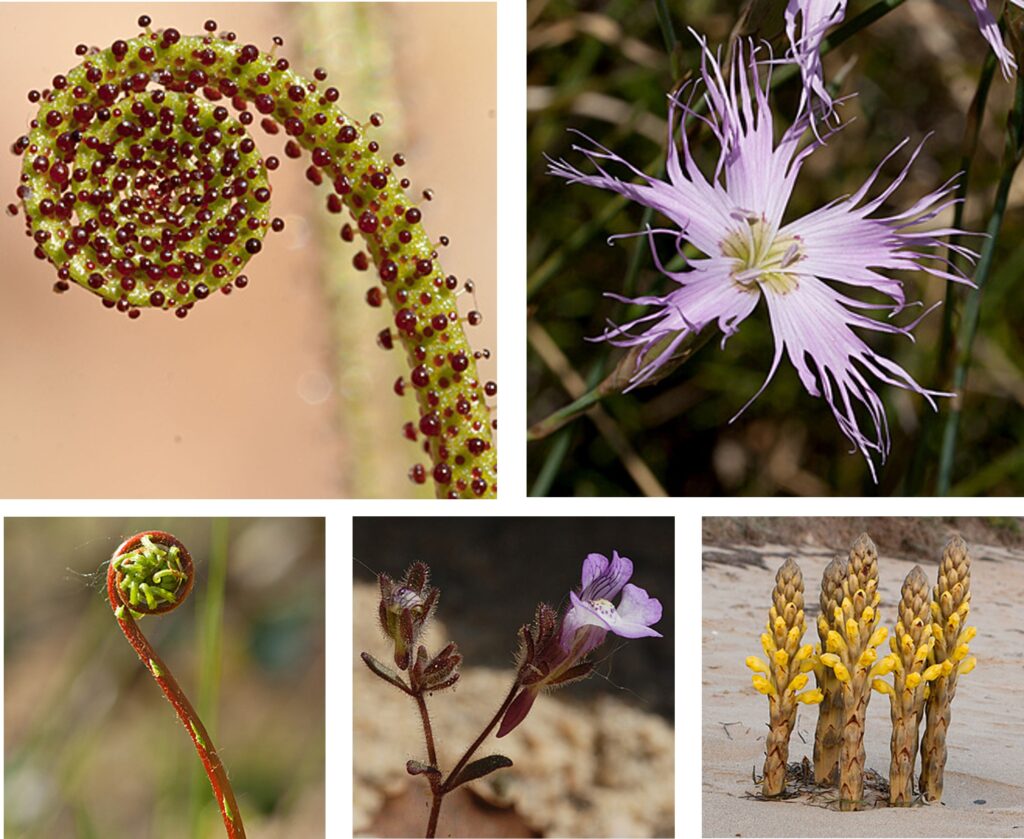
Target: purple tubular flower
[[807, 21], [990, 32], [735, 219], [555, 655]]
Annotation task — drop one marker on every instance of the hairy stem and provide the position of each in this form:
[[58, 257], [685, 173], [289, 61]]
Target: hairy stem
[[125, 612], [439, 789]]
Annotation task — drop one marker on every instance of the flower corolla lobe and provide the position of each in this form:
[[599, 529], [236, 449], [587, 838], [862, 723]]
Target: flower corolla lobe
[[554, 651]]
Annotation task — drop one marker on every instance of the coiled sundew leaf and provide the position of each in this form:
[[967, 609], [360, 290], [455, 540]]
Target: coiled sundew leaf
[[140, 185]]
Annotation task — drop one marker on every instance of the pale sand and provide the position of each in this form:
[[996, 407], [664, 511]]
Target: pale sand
[[986, 738]]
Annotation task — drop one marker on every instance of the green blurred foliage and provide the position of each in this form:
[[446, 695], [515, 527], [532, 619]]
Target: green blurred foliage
[[601, 67], [91, 746]]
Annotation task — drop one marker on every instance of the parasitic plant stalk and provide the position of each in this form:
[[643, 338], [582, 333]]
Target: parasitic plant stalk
[[150, 574], [852, 652], [828, 732], [785, 673], [910, 643], [950, 606], [141, 186]]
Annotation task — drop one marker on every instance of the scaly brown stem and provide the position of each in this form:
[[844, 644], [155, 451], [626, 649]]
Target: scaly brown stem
[[851, 751], [777, 751]]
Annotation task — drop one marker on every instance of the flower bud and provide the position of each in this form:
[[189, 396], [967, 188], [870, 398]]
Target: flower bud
[[405, 607]]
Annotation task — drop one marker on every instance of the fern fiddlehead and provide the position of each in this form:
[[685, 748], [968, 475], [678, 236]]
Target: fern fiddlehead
[[149, 574], [141, 185]]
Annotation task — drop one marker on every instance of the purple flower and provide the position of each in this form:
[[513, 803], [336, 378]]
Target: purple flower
[[555, 654], [990, 32], [735, 219], [807, 21]]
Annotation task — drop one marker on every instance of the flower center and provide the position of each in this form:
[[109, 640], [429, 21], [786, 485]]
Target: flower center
[[603, 607], [762, 257]]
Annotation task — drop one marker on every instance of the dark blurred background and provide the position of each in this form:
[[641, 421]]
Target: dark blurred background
[[492, 572], [91, 746], [601, 66]]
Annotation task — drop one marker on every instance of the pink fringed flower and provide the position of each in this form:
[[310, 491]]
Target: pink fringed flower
[[990, 32], [554, 654], [807, 21], [735, 219]]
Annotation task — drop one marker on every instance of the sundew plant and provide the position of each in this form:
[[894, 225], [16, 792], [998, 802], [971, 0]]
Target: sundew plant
[[813, 240], [142, 183]]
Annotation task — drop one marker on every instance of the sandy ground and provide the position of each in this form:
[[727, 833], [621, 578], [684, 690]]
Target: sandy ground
[[984, 793]]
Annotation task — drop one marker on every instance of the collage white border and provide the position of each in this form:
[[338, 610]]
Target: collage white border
[[511, 270]]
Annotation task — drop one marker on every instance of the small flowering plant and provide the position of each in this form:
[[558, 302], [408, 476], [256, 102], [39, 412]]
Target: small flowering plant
[[555, 650]]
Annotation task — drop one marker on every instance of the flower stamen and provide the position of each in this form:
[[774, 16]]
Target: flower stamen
[[761, 256]]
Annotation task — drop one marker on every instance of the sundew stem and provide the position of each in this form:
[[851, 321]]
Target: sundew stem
[[141, 186], [144, 563], [1013, 153]]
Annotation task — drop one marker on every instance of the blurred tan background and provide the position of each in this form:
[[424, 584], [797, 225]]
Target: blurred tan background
[[279, 391], [93, 749]]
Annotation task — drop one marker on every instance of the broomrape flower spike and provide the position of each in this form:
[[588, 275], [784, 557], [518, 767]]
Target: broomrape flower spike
[[947, 659], [553, 652], [855, 625], [735, 219], [910, 643], [785, 673], [827, 734]]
